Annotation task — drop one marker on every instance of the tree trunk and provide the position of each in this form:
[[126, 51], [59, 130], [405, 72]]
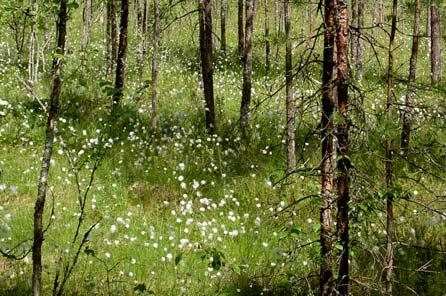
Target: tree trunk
[[206, 63], [86, 17], [342, 24], [33, 58], [360, 41], [389, 154], [223, 27], [312, 19], [247, 65], [122, 52], [435, 43], [407, 113], [328, 151], [428, 29], [290, 109], [156, 33], [267, 42], [111, 35], [241, 34], [140, 7], [48, 150]]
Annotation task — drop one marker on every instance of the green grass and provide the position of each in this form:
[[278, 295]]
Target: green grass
[[148, 183]]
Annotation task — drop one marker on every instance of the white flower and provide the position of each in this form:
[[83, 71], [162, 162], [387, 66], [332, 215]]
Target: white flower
[[113, 228]]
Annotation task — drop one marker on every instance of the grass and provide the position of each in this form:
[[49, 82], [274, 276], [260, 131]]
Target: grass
[[184, 213]]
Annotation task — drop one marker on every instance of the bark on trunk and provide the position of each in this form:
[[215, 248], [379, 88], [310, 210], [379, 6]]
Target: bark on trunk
[[156, 33], [407, 113], [435, 43], [241, 34], [122, 52], [207, 64], [86, 17], [111, 35], [223, 27], [47, 153], [389, 155], [267, 42], [141, 33], [290, 109], [328, 151], [247, 66], [343, 145]]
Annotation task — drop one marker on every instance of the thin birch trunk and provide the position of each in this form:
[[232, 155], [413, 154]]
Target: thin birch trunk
[[206, 63], [389, 156], [407, 113], [247, 66], [156, 33], [48, 150], [290, 108], [267, 42], [435, 44]]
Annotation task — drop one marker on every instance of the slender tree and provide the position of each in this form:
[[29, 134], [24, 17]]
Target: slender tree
[[247, 65], [206, 63], [267, 42], [435, 43], [48, 150], [328, 150], [223, 26], [154, 82], [343, 165], [87, 18], [290, 109], [240, 30], [407, 113], [111, 36], [389, 155], [122, 53]]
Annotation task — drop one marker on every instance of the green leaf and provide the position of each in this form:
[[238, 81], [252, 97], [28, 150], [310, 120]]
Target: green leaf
[[236, 269], [338, 247], [73, 5]]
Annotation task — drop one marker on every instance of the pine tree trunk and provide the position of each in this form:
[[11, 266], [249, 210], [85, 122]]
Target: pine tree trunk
[[435, 43], [33, 52], [111, 35], [48, 150], [141, 30], [154, 82], [247, 66], [241, 34], [223, 27], [122, 53], [388, 159], [290, 108], [86, 17], [328, 150], [207, 64], [407, 113], [267, 42], [342, 24]]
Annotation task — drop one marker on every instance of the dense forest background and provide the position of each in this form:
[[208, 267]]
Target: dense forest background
[[222, 147]]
